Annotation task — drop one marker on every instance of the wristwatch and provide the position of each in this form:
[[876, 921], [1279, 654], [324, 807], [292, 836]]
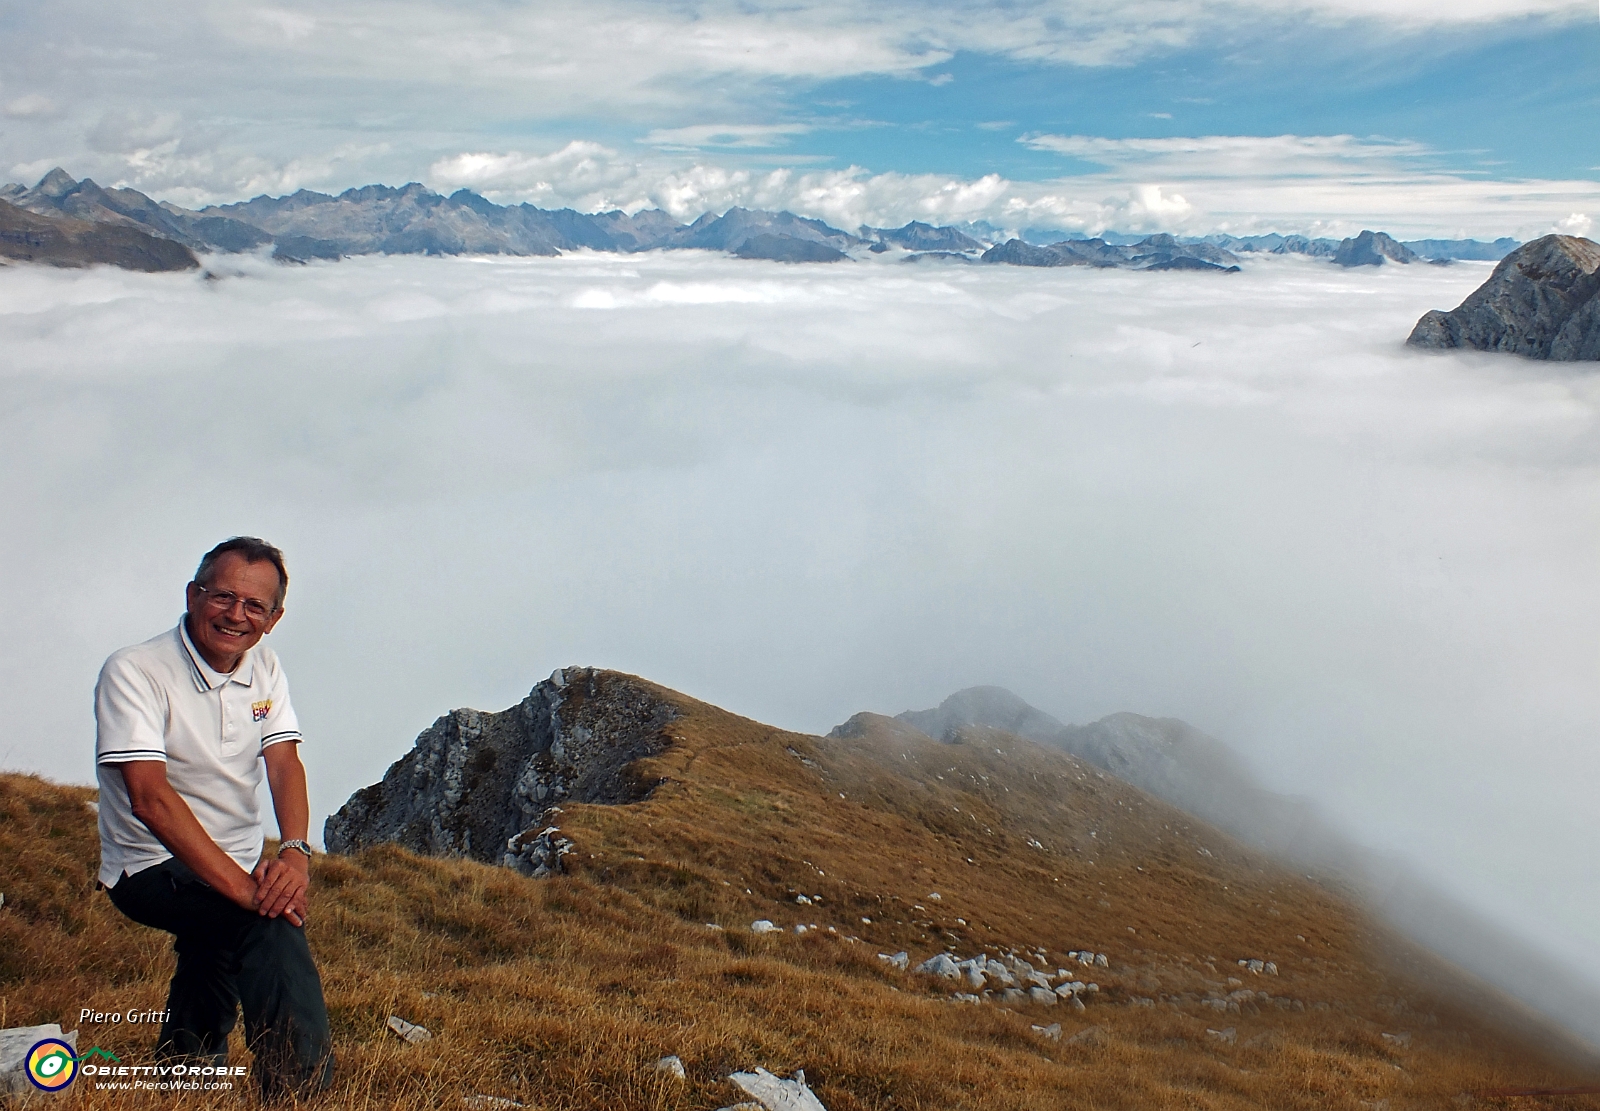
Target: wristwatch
[[302, 846]]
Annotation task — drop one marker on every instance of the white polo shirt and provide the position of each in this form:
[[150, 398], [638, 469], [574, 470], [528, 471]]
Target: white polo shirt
[[160, 700]]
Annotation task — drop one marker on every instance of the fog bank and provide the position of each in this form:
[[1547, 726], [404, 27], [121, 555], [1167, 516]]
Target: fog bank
[[799, 492]]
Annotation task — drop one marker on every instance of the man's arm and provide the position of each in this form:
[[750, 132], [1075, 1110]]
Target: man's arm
[[166, 815], [285, 882]]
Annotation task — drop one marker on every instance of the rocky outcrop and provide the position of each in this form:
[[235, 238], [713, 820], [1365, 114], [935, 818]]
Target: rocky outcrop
[[1372, 248], [1542, 301], [488, 786], [61, 241]]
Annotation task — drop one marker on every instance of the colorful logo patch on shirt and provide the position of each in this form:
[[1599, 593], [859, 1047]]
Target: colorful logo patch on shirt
[[260, 710]]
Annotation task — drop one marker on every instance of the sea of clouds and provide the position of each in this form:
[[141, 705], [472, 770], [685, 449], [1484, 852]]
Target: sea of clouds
[[800, 492]]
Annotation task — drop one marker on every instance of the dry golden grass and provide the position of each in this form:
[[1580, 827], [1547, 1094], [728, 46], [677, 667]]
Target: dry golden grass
[[562, 993]]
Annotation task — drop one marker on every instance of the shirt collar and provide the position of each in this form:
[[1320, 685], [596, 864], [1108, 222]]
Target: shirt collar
[[205, 677]]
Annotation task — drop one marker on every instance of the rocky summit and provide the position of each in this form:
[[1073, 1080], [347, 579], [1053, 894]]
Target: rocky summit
[[488, 786], [1542, 301], [1372, 248]]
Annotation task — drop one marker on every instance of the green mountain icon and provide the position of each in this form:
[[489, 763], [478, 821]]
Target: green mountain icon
[[103, 1054]]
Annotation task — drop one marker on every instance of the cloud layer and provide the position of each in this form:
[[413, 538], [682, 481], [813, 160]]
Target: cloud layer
[[1319, 184], [802, 492]]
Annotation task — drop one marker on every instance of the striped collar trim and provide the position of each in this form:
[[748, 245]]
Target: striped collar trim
[[205, 677]]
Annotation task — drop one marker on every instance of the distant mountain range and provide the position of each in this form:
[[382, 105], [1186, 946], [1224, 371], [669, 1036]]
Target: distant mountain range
[[378, 219]]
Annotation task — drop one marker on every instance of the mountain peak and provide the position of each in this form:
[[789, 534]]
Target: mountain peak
[[56, 183], [1542, 301], [995, 707], [1373, 248]]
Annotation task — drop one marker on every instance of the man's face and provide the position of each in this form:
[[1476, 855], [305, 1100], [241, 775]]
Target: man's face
[[223, 635]]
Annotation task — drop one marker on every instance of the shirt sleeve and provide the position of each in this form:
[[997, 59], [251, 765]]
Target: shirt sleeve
[[279, 723], [129, 715]]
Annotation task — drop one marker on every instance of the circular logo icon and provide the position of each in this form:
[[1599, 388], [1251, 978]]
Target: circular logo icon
[[51, 1065]]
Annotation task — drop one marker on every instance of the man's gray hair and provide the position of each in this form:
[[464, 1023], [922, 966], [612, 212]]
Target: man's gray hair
[[255, 550]]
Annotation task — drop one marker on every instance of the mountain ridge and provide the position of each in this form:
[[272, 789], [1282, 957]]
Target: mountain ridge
[[986, 924], [1185, 767], [413, 219]]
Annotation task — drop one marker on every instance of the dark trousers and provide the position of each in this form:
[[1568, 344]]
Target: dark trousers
[[228, 956]]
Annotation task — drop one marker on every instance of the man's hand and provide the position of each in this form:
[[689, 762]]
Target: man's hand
[[282, 883], [283, 887]]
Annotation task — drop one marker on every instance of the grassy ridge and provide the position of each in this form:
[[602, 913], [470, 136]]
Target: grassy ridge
[[562, 993]]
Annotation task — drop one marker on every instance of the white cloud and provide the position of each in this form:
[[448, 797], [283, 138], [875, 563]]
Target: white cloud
[[1319, 185], [33, 106], [1578, 223], [1239, 156], [724, 135], [803, 492]]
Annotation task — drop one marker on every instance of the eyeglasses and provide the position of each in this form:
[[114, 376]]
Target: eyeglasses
[[225, 600]]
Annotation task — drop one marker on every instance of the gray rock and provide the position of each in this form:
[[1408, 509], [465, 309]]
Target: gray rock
[[776, 1094], [14, 1046], [1542, 301], [994, 970], [940, 964], [900, 961], [1013, 995], [1052, 1032], [479, 785], [1372, 248], [1228, 1036], [1042, 995], [672, 1066], [409, 1031], [764, 926]]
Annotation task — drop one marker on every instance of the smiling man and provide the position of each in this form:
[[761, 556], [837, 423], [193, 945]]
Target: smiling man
[[186, 724]]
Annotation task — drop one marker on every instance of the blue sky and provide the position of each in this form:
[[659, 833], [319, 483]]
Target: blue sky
[[1476, 117]]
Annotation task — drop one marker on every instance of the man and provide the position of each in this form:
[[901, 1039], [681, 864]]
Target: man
[[185, 724]]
